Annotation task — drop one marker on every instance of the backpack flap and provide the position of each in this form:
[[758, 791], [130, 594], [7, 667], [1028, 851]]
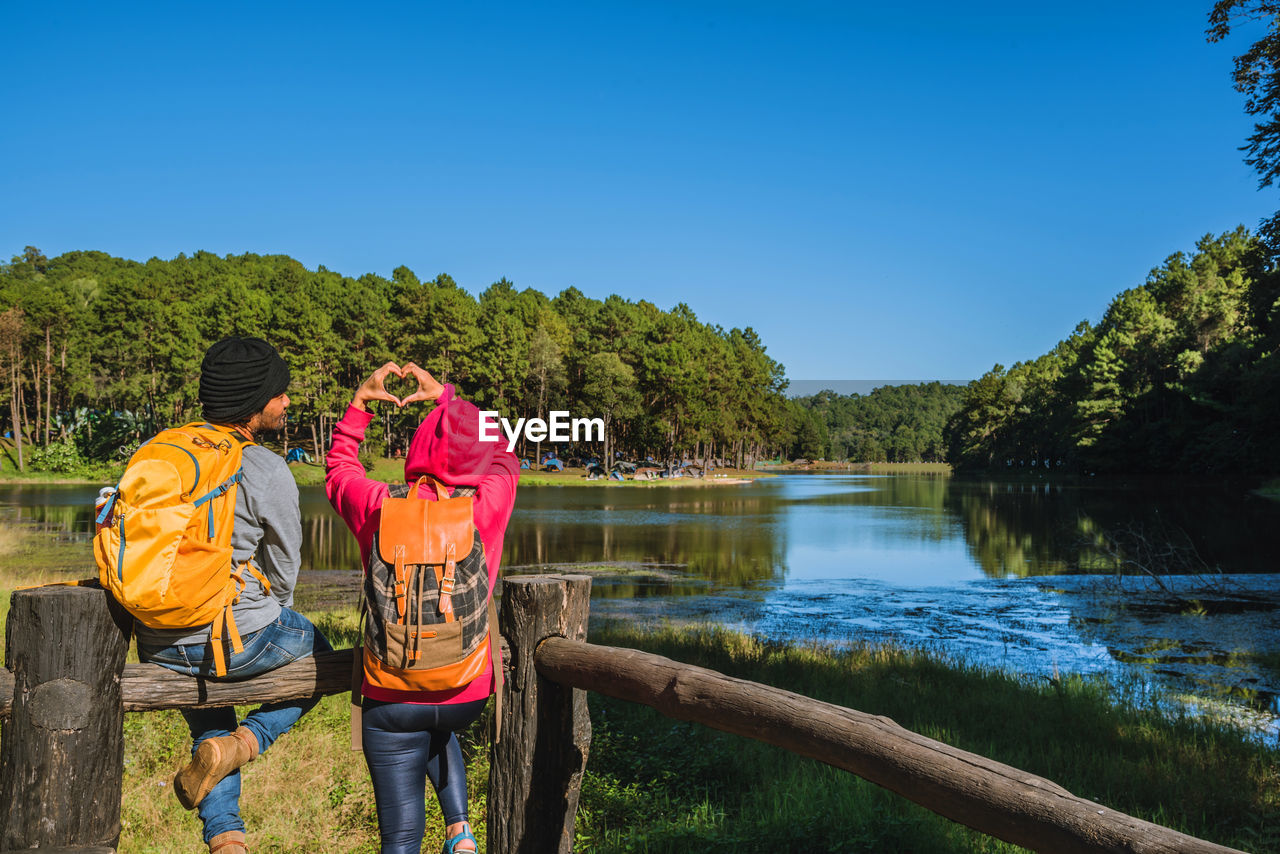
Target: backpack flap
[[426, 529], [415, 531]]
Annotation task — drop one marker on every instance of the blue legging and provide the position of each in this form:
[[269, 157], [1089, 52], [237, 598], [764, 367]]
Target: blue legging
[[404, 744]]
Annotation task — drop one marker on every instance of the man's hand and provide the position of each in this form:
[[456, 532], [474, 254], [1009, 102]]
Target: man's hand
[[373, 388], [428, 387]]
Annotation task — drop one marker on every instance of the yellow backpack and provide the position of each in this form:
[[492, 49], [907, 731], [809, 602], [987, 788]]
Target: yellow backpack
[[163, 545]]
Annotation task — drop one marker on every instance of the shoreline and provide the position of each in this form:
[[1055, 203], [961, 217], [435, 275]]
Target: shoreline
[[389, 470], [574, 478], [826, 467]]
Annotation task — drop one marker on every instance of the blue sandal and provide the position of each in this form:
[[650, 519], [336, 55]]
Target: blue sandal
[[465, 834]]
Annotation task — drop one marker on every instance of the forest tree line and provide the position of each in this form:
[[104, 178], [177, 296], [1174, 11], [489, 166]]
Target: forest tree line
[[99, 352], [1182, 373]]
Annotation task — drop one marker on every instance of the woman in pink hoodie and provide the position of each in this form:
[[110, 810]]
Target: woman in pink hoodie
[[409, 736]]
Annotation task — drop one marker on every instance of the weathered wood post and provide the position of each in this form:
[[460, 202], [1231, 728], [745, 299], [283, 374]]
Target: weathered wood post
[[62, 746], [535, 774]]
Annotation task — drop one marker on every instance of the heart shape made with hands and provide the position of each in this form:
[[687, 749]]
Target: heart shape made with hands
[[401, 386], [405, 383]]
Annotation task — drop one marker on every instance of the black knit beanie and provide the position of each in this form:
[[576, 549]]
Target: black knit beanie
[[238, 377]]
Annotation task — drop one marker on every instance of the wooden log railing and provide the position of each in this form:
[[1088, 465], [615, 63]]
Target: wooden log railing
[[996, 799], [66, 688], [151, 688]]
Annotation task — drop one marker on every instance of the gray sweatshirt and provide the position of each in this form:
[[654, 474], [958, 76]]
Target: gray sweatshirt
[[268, 529]]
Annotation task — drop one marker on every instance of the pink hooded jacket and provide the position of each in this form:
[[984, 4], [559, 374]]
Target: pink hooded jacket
[[447, 447]]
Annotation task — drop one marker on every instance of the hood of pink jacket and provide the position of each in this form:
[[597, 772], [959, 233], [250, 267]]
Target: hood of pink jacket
[[446, 444]]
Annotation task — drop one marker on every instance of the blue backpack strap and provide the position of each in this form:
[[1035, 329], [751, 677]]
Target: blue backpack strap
[[108, 506], [220, 489]]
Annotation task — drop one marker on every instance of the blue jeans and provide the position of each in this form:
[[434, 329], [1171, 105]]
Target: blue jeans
[[405, 744], [289, 638]]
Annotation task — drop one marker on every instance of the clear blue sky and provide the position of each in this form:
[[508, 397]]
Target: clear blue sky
[[882, 193]]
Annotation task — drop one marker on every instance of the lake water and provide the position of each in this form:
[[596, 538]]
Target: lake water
[[1022, 575]]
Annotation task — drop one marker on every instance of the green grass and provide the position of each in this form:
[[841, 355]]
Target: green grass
[[384, 469], [1270, 489], [90, 473], [307, 474], [31, 556], [910, 468], [658, 785]]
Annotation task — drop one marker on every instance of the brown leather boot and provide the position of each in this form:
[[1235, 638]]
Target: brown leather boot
[[214, 759], [231, 842]]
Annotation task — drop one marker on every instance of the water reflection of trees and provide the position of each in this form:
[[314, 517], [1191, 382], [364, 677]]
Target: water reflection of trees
[[741, 551], [728, 535], [327, 543], [1016, 529], [922, 492], [54, 507], [64, 517], [1042, 528], [914, 490]]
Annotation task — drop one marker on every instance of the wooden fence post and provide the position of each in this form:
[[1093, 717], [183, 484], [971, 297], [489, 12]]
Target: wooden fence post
[[62, 746], [535, 773]]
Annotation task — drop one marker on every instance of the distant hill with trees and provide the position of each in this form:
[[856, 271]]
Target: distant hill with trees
[[895, 423]]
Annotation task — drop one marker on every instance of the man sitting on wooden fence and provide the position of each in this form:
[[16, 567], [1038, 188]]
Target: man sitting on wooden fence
[[242, 390]]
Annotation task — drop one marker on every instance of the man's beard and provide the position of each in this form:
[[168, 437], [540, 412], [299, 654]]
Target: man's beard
[[279, 426]]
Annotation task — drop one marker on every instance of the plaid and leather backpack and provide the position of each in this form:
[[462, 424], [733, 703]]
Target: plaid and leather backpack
[[429, 620]]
